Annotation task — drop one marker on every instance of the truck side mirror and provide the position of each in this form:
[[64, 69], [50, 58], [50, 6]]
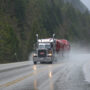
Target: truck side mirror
[[37, 37], [53, 35]]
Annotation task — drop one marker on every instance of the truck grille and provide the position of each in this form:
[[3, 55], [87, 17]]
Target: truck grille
[[41, 53]]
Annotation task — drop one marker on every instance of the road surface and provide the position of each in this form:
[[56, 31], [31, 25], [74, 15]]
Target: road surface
[[65, 74]]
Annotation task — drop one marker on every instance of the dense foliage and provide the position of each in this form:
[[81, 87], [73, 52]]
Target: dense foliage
[[20, 20]]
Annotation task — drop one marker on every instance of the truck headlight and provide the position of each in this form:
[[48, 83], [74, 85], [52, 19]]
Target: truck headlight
[[34, 55], [49, 55]]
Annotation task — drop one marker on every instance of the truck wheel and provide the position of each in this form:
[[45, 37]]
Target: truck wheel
[[51, 62], [41, 62], [35, 62]]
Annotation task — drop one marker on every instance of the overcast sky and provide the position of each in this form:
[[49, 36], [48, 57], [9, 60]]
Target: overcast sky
[[87, 3]]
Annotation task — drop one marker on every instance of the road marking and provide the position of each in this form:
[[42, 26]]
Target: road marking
[[15, 81], [25, 77], [21, 79]]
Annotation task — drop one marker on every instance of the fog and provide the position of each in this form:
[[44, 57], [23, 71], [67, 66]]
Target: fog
[[87, 3], [77, 53]]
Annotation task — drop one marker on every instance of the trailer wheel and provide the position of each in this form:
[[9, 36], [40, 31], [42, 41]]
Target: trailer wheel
[[35, 62]]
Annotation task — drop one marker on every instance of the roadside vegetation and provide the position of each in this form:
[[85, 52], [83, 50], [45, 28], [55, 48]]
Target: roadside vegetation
[[20, 20]]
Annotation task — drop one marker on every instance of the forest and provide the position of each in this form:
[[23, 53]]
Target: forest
[[21, 20]]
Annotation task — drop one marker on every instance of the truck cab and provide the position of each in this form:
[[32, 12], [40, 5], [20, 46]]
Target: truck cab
[[44, 53]]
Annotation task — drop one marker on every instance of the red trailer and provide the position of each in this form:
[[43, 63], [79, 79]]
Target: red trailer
[[62, 46], [59, 45]]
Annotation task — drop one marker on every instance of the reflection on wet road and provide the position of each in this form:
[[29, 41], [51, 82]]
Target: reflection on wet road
[[35, 79], [34, 67], [64, 75], [51, 81]]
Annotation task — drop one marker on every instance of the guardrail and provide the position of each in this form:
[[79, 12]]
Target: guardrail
[[12, 66]]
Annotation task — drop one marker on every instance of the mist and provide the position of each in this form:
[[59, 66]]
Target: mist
[[87, 3], [78, 53]]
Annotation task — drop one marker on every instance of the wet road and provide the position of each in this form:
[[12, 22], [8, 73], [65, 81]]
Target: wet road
[[62, 75]]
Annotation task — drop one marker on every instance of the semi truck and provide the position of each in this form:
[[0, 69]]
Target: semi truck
[[46, 49]]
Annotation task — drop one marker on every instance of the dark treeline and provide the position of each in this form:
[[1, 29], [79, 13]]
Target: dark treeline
[[20, 20]]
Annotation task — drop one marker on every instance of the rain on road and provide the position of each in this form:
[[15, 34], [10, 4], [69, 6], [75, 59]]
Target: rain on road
[[66, 74]]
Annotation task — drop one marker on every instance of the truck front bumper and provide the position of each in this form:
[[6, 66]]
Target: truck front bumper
[[43, 59]]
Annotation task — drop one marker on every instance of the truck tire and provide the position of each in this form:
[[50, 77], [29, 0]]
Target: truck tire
[[51, 62], [35, 62], [41, 62]]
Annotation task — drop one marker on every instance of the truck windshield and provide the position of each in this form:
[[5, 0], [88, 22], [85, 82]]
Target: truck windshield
[[47, 46], [41, 46], [44, 46]]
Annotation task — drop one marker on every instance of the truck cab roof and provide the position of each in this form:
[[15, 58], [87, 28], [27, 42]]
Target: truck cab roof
[[49, 40]]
